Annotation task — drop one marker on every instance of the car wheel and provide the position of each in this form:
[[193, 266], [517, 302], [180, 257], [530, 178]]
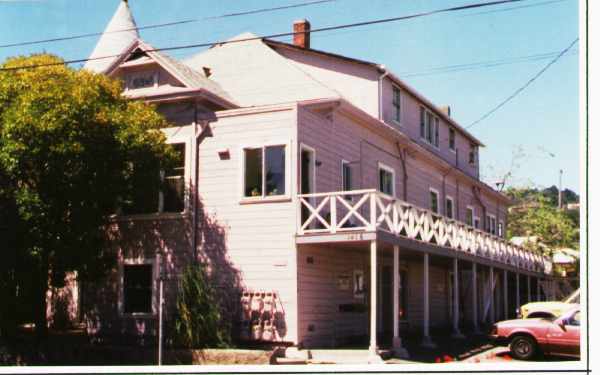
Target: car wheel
[[523, 347]]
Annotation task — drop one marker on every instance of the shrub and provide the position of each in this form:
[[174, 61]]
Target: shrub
[[198, 322]]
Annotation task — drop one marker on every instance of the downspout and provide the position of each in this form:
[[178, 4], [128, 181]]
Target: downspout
[[380, 83], [402, 153]]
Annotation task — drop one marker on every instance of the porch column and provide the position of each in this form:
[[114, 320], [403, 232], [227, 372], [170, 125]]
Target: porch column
[[492, 297], [505, 290], [538, 287], [426, 338], [518, 292], [373, 306], [528, 288], [474, 277], [456, 334], [399, 351]]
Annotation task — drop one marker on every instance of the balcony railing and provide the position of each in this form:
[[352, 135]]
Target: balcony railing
[[371, 210]]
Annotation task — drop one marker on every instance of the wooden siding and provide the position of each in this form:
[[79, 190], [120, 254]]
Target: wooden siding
[[258, 238]]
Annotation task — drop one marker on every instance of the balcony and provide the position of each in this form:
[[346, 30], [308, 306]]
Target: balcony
[[362, 215]]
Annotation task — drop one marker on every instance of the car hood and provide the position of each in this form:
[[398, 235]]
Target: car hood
[[523, 322], [555, 307]]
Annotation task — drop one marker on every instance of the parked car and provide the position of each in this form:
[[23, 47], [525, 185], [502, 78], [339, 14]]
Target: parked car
[[549, 309], [528, 337]]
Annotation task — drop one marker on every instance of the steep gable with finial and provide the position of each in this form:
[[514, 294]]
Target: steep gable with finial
[[119, 34]]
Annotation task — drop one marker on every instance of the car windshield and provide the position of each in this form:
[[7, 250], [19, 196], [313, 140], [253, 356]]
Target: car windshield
[[573, 298]]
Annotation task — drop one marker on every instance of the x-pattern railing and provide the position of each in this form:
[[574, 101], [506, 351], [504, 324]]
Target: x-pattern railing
[[370, 210]]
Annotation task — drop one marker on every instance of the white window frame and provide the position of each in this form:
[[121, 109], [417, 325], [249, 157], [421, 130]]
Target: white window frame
[[472, 209], [345, 163], [449, 198], [399, 108], [451, 130], [489, 227], [435, 128], [121, 300], [132, 76], [501, 225], [187, 158], [389, 169], [437, 195], [287, 179]]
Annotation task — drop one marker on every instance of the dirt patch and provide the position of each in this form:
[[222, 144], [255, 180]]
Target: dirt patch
[[219, 357]]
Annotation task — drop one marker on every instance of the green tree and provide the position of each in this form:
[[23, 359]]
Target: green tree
[[534, 214], [72, 150], [199, 323]]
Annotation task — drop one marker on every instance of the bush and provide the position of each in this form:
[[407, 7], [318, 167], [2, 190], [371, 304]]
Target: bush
[[198, 323]]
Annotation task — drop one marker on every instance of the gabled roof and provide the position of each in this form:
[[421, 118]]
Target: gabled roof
[[191, 79], [380, 68], [120, 32]]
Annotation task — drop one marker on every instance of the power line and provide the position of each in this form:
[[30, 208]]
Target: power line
[[168, 24], [519, 90], [279, 35], [481, 65]]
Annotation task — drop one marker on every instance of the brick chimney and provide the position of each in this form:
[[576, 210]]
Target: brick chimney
[[302, 33]]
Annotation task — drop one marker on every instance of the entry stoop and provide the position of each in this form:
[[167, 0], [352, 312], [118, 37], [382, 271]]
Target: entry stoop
[[331, 356]]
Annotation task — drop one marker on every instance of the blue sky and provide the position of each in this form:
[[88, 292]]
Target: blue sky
[[540, 126]]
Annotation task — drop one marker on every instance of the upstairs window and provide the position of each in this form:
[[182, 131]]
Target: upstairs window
[[491, 224], [434, 201], [137, 288], [396, 103], [452, 139], [386, 180], [142, 80], [173, 193], [476, 222], [473, 154], [450, 207], [430, 127], [264, 171], [469, 216], [500, 229]]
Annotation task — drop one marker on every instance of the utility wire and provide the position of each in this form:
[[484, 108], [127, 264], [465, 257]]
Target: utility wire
[[481, 65], [519, 90], [168, 24], [279, 35]]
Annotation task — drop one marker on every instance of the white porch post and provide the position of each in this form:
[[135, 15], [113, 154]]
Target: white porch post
[[373, 305], [426, 338], [538, 287], [528, 288], [505, 290], [518, 292], [474, 276], [456, 334], [492, 297], [397, 341]]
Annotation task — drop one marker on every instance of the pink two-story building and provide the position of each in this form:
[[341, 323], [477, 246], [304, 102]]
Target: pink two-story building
[[332, 201]]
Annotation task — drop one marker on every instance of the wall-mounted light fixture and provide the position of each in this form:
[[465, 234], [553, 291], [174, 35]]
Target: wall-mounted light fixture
[[224, 154]]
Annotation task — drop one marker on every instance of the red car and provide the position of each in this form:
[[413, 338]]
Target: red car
[[528, 337]]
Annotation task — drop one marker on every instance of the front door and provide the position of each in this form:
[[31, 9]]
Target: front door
[[387, 301]]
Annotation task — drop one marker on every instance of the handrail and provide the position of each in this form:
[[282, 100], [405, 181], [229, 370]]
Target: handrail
[[370, 210]]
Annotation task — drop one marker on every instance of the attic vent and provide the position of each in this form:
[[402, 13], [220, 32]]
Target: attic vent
[[207, 71]]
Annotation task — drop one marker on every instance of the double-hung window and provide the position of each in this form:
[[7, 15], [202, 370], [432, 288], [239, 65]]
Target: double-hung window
[[430, 127], [473, 154], [396, 103], [434, 200], [386, 180], [173, 192], [469, 216], [137, 288], [450, 207], [264, 171], [491, 224], [452, 139], [500, 229]]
